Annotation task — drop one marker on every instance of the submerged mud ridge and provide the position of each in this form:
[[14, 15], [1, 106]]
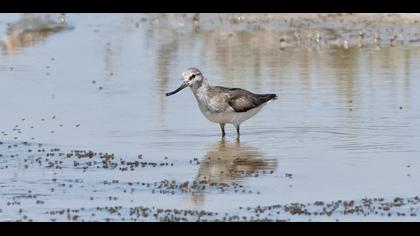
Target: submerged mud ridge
[[55, 158], [132, 214], [401, 208], [35, 155], [167, 186], [365, 207]]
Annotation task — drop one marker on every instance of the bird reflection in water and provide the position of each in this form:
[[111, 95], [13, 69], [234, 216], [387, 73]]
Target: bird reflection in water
[[29, 30], [229, 162]]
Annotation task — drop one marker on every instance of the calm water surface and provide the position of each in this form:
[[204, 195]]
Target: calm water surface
[[346, 124]]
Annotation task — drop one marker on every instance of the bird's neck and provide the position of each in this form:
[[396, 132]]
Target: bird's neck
[[201, 87], [201, 90]]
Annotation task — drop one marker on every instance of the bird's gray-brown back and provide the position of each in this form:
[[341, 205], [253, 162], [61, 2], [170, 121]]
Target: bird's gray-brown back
[[242, 100]]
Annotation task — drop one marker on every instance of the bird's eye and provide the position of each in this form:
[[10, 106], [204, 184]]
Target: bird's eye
[[192, 77]]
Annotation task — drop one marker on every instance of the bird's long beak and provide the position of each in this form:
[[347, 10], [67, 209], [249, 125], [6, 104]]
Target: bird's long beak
[[183, 85]]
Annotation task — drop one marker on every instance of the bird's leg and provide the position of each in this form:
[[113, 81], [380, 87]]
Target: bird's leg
[[222, 127], [237, 131]]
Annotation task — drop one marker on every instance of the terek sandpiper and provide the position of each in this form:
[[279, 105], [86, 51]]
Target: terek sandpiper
[[223, 105]]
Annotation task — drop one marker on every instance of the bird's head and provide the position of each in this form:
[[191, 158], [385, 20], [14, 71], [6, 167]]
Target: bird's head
[[190, 77]]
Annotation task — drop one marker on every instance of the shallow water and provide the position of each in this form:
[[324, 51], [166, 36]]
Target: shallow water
[[346, 124]]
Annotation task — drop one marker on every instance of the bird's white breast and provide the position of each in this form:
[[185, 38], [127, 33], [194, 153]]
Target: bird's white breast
[[230, 116]]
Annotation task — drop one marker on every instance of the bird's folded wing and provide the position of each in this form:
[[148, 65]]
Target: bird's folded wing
[[246, 101], [241, 100]]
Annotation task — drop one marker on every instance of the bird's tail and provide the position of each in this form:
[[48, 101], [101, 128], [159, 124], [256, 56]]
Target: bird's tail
[[273, 96], [269, 97]]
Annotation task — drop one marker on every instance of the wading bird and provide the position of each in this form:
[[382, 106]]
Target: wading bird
[[223, 105]]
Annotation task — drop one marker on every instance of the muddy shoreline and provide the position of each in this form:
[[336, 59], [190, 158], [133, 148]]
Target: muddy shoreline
[[309, 30]]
